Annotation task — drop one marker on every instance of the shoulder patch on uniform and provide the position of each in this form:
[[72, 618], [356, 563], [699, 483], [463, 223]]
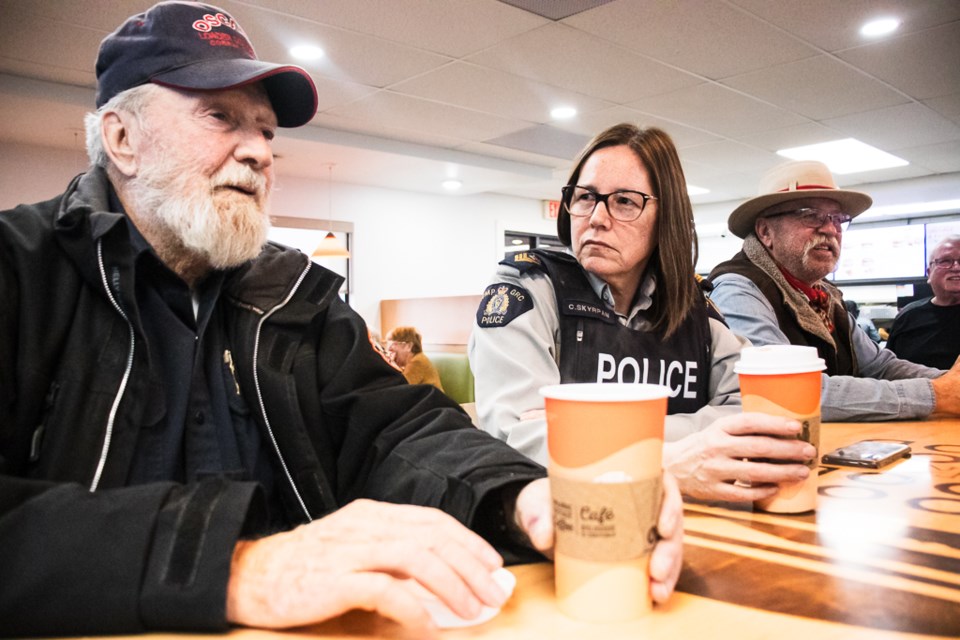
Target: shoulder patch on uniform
[[523, 261], [501, 303]]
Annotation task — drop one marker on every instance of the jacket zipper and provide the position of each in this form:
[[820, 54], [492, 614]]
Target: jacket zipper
[[256, 384], [126, 374]]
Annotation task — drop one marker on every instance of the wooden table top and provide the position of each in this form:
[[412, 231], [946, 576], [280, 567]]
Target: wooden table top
[[879, 559]]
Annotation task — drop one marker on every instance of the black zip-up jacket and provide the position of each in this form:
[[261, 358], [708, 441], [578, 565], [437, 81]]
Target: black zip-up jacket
[[80, 551]]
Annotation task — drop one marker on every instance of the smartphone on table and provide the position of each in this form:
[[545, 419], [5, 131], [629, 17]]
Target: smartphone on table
[[871, 454]]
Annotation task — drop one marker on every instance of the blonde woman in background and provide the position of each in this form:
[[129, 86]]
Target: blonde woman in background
[[405, 346]]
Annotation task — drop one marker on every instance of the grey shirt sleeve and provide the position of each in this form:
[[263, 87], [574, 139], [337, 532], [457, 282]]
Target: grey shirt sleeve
[[887, 390]]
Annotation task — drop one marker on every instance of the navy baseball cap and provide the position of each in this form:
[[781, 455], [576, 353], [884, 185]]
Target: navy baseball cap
[[193, 46]]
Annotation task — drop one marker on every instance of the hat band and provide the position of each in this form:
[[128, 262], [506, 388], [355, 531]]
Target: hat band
[[801, 187]]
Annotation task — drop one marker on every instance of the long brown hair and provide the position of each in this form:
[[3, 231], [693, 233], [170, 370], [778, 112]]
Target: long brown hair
[[675, 255]]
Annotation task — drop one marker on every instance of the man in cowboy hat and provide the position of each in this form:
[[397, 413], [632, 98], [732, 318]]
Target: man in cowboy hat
[[195, 431], [773, 292]]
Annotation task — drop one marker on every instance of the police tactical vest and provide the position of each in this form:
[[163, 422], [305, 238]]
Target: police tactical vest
[[595, 347]]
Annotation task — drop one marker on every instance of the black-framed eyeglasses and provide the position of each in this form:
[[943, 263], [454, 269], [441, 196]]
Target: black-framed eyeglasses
[[945, 263], [815, 218], [625, 205]]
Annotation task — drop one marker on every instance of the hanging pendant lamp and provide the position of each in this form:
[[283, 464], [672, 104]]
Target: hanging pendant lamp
[[330, 246]]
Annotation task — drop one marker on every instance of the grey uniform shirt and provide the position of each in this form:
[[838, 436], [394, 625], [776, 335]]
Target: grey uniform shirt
[[510, 363], [888, 389]]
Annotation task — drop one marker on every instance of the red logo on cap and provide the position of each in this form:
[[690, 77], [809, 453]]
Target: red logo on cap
[[236, 40], [211, 21]]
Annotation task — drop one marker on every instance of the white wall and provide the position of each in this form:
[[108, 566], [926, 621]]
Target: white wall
[[411, 245], [33, 174], [405, 245]]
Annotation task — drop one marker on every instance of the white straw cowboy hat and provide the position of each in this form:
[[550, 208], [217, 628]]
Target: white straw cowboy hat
[[793, 181]]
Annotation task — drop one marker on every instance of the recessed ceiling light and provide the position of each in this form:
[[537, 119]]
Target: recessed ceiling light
[[451, 184], [880, 27], [845, 156], [563, 113], [696, 191], [306, 52], [516, 241]]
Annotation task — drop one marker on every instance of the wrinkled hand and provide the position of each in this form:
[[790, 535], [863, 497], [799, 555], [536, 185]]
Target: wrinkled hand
[[946, 391], [361, 557], [707, 463], [534, 515]]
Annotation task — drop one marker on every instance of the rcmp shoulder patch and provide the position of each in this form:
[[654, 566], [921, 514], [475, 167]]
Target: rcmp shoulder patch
[[522, 261], [501, 303]]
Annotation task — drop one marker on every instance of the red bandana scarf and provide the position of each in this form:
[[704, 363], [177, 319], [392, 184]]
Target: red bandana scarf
[[818, 298]]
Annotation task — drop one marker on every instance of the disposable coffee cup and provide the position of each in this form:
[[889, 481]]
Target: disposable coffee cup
[[605, 445], [784, 380]]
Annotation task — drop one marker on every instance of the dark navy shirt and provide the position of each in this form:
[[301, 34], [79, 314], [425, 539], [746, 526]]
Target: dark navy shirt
[[206, 427]]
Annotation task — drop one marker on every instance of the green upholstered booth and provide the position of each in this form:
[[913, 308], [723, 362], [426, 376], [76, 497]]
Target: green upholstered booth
[[455, 374]]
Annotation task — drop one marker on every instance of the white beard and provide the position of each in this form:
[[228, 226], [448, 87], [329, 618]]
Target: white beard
[[209, 220]]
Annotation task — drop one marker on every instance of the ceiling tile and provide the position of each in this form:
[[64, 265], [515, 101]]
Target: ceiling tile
[[705, 37], [922, 65], [369, 134], [495, 92], [590, 124], [99, 15], [544, 140], [888, 129], [565, 57], [947, 106], [516, 155], [651, 62], [424, 24], [943, 157], [47, 49], [788, 137], [393, 110], [350, 57], [818, 88], [834, 25], [718, 154], [717, 109], [335, 93]]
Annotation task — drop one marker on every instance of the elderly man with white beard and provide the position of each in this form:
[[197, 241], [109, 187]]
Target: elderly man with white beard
[[773, 292], [195, 431]]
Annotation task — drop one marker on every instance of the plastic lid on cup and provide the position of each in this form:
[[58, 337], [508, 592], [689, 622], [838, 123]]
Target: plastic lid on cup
[[779, 359], [605, 392]]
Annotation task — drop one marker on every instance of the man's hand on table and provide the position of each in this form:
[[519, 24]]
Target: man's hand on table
[[534, 515], [361, 557], [709, 462]]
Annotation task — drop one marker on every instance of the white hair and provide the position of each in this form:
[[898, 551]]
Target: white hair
[[132, 101], [951, 239]]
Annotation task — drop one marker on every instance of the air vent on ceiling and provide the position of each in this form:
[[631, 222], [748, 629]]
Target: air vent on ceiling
[[544, 140], [555, 9]]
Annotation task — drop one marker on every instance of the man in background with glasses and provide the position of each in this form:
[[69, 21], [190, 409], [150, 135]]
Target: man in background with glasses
[[773, 292], [928, 331]]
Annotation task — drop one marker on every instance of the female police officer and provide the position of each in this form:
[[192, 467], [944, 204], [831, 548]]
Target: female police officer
[[622, 304]]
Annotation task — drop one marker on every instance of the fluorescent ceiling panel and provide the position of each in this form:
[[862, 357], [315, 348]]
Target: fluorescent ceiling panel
[[845, 156]]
